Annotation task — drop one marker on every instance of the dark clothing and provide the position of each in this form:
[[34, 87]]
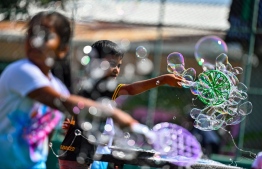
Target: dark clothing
[[100, 90], [79, 146], [75, 145], [209, 140]]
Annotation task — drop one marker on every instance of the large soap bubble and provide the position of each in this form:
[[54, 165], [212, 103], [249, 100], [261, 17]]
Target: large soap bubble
[[175, 63], [207, 49], [141, 52]]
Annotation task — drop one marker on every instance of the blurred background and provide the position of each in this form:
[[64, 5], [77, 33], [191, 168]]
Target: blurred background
[[148, 31]]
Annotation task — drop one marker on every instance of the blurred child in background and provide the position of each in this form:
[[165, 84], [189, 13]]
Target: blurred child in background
[[107, 54]]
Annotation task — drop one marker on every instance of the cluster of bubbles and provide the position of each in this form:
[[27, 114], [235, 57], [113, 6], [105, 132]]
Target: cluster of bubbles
[[217, 86]]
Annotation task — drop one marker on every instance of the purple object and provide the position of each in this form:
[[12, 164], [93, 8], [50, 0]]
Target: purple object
[[176, 144]]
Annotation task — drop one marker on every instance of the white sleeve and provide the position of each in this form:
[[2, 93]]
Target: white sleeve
[[26, 78]]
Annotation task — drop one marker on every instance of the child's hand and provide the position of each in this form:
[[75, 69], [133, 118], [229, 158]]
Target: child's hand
[[66, 124], [174, 80]]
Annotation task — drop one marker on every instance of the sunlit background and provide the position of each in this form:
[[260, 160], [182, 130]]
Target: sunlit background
[[148, 31]]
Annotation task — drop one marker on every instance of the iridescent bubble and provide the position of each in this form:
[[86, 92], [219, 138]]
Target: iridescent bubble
[[233, 79], [203, 122], [237, 70], [176, 68], [245, 108], [189, 74], [242, 87], [235, 119], [239, 94], [207, 49], [233, 100], [141, 52], [175, 58], [175, 63], [218, 123], [231, 109], [195, 112], [193, 89], [221, 62]]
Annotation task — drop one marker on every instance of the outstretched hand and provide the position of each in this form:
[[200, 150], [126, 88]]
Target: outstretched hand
[[174, 80]]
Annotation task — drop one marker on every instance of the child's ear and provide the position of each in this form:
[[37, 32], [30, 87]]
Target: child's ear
[[63, 51]]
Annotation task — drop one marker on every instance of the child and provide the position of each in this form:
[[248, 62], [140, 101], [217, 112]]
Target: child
[[32, 99], [107, 52]]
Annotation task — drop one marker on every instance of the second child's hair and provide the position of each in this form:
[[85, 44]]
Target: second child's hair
[[104, 48], [53, 19]]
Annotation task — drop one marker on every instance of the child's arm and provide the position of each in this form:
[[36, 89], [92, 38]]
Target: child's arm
[[142, 86], [52, 98]]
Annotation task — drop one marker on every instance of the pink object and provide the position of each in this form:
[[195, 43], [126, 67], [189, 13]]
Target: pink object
[[42, 126]]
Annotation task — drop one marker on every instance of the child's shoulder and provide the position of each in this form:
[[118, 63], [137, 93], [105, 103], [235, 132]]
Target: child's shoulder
[[19, 63], [22, 67]]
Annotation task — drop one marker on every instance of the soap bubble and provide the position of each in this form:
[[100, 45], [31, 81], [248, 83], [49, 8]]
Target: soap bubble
[[141, 52], [207, 49]]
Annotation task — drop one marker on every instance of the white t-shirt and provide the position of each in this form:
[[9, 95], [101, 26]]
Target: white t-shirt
[[25, 123]]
